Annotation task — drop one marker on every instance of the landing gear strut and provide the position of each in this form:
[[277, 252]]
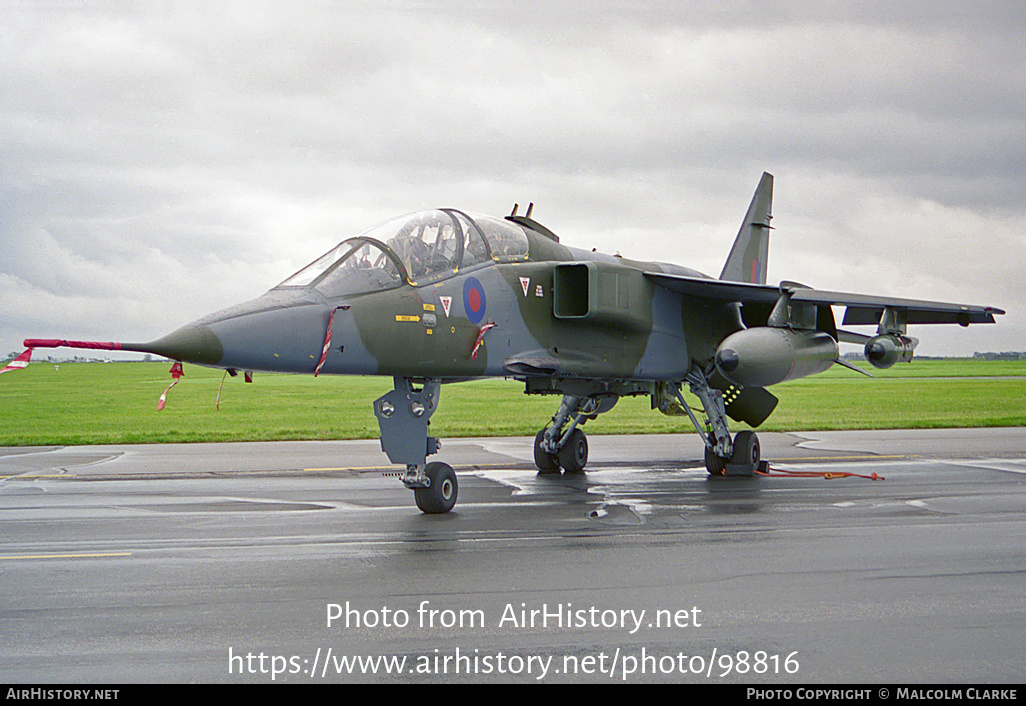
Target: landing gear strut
[[403, 417]]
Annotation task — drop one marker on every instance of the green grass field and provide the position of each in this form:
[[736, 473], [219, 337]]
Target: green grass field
[[116, 403]]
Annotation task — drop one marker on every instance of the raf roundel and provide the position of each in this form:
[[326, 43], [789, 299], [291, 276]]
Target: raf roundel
[[474, 300]]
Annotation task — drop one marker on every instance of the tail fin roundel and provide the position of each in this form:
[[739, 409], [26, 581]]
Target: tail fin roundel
[[748, 256]]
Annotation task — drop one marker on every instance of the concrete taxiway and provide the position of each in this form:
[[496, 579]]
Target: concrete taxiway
[[298, 562]]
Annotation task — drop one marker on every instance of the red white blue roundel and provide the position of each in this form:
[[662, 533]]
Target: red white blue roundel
[[474, 300]]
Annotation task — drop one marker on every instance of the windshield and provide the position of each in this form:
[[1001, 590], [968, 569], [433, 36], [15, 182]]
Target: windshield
[[354, 266]]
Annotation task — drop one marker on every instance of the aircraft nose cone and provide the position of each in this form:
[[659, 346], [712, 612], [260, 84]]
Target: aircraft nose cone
[[727, 360], [194, 343], [276, 332]]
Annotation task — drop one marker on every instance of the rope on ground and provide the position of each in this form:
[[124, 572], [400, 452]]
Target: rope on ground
[[825, 475]]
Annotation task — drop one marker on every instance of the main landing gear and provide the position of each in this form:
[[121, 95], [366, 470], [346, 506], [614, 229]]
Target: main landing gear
[[741, 456], [403, 416], [562, 444]]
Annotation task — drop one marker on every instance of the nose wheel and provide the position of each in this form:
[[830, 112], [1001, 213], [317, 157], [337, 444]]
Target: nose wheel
[[439, 496]]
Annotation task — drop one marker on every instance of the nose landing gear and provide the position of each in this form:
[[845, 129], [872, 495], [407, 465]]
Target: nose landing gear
[[403, 416]]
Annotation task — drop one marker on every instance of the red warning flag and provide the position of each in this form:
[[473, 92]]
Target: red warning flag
[[480, 338], [176, 372], [327, 340], [18, 363]]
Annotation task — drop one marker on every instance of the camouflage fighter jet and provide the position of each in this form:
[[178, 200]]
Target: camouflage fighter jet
[[445, 296]]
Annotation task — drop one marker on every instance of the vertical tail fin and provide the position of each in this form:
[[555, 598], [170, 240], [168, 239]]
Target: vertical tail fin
[[748, 257]]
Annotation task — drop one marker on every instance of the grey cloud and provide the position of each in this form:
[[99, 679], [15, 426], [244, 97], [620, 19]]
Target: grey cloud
[[215, 151]]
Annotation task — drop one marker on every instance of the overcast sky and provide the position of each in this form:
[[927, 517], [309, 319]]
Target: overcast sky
[[162, 160]]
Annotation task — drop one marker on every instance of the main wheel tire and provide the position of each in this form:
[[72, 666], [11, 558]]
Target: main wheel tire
[[746, 450], [440, 496], [573, 457], [546, 462], [714, 464]]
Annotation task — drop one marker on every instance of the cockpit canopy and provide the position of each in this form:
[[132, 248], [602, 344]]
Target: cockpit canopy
[[415, 249]]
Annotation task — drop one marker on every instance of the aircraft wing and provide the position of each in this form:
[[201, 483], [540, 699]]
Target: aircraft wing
[[860, 308], [866, 309]]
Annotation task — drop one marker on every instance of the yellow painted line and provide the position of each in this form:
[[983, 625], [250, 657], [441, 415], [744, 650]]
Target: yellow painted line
[[348, 468], [64, 556], [47, 475]]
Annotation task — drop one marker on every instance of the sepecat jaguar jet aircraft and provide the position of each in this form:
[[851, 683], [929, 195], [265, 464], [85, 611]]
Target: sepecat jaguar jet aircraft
[[445, 296]]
